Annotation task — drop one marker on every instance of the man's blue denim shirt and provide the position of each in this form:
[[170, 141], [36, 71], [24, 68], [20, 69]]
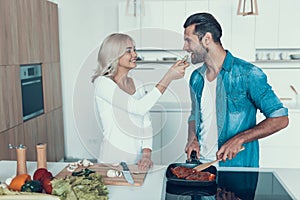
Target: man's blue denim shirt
[[242, 88]]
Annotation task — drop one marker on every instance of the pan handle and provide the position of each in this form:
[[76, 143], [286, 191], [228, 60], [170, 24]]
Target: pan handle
[[194, 159]]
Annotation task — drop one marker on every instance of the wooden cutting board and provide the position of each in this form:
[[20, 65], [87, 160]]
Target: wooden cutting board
[[101, 168]]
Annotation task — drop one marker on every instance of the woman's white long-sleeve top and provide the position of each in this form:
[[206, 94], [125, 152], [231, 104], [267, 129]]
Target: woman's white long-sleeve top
[[125, 120]]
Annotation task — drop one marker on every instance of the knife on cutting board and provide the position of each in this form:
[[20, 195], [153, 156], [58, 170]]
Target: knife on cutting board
[[127, 173]]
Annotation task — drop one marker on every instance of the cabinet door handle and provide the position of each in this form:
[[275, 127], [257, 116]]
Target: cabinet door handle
[[31, 82]]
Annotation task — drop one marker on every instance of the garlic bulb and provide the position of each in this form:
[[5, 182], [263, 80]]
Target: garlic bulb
[[72, 166], [86, 163], [113, 173]]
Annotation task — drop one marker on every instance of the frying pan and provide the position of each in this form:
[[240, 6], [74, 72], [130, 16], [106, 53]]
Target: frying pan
[[172, 179]]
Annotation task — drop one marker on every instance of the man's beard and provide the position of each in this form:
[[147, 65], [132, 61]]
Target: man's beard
[[199, 55]]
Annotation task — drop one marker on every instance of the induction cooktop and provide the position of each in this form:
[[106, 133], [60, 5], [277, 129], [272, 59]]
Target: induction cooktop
[[232, 186]]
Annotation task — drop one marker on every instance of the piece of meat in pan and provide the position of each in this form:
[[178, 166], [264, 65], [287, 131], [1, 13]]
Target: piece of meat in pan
[[182, 172], [199, 176]]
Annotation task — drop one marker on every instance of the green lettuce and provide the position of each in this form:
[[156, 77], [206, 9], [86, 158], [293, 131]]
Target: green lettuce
[[89, 187]]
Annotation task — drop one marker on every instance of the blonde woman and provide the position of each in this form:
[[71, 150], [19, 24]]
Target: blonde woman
[[122, 104]]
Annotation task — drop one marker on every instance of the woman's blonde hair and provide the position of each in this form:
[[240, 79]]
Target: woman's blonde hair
[[112, 48]]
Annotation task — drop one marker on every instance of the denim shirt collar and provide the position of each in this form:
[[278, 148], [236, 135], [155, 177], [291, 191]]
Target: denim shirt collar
[[228, 61], [227, 64]]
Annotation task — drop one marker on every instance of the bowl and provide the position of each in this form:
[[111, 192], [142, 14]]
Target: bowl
[[295, 56]]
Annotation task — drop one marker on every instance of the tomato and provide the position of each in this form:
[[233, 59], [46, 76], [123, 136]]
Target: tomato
[[18, 181], [39, 174], [45, 177], [47, 185]]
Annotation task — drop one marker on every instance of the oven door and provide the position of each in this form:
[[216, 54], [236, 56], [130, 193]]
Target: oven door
[[32, 97]]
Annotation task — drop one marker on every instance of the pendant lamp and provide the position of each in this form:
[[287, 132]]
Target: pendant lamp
[[247, 7]]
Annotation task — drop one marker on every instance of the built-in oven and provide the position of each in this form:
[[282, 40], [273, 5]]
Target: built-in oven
[[32, 90]]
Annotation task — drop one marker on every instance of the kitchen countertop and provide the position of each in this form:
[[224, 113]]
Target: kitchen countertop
[[154, 185]]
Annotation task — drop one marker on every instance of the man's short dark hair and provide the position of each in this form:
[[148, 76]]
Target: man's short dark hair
[[205, 22]]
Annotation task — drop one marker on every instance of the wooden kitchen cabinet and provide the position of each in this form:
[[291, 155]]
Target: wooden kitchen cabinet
[[52, 83], [45, 33], [47, 128], [54, 34], [12, 136], [50, 32], [29, 34], [35, 131], [10, 97], [8, 33], [3, 54], [55, 135], [37, 31]]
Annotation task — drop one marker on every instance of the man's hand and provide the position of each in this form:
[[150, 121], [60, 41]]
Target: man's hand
[[192, 145], [230, 149]]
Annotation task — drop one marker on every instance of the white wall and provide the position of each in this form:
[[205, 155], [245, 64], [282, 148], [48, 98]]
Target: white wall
[[83, 26]]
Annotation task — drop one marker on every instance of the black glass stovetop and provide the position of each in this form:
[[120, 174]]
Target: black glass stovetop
[[232, 186]]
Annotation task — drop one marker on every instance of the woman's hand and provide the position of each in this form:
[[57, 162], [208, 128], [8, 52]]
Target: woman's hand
[[145, 162], [177, 71]]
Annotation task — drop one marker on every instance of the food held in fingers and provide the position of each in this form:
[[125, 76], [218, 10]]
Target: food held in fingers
[[185, 58]]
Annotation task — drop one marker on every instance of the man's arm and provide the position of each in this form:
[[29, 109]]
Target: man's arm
[[192, 142], [265, 128]]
